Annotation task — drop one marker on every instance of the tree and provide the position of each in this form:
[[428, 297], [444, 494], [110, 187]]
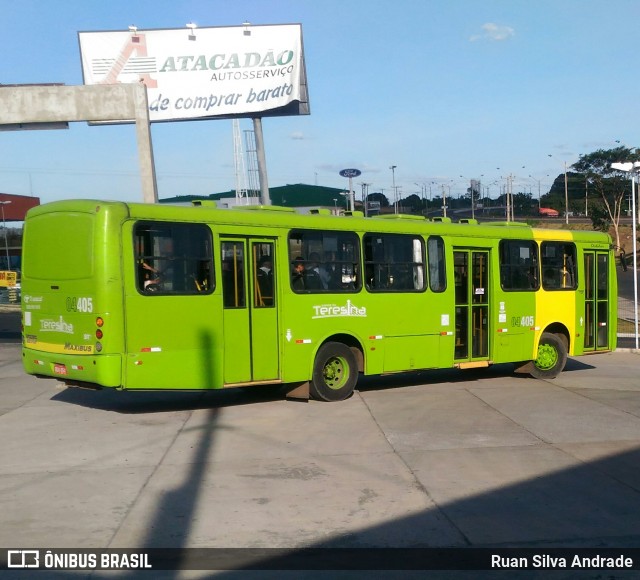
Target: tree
[[600, 217], [522, 203], [610, 184], [379, 197], [412, 203], [575, 191]]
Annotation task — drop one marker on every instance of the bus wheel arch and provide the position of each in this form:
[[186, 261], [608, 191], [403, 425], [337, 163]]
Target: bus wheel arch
[[562, 331], [551, 355], [336, 366]]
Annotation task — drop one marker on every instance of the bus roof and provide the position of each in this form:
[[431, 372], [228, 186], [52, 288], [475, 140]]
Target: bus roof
[[276, 216]]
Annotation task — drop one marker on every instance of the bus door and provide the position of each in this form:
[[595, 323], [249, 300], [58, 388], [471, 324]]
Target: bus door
[[471, 271], [249, 310], [596, 300]]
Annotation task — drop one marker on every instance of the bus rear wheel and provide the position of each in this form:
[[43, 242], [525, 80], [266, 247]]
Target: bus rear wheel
[[552, 356], [335, 372]]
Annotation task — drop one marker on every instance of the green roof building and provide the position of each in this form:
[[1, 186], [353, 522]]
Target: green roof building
[[299, 196]]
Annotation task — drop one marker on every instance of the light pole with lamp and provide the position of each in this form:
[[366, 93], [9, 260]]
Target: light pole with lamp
[[633, 168], [395, 191], [473, 213], [538, 181], [444, 199], [586, 197], [423, 194], [4, 227], [365, 195]]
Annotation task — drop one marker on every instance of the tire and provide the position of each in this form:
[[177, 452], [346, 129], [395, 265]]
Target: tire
[[552, 356], [335, 372]]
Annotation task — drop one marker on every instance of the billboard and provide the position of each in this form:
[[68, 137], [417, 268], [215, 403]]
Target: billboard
[[204, 73]]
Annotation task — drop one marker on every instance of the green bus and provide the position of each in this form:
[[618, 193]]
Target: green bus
[[143, 296]]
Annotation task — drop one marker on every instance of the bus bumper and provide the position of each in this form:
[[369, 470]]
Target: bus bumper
[[103, 371]]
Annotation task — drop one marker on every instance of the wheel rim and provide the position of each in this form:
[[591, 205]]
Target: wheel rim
[[335, 373], [547, 357]]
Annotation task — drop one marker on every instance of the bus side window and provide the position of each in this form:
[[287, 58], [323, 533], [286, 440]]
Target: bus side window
[[173, 258], [324, 262], [437, 272], [263, 282], [394, 263], [559, 266], [519, 265], [233, 294]]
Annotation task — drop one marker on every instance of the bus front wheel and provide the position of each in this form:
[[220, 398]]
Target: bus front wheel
[[552, 356], [335, 372]]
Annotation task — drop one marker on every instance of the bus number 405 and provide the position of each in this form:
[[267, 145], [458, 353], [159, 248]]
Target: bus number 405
[[83, 304], [522, 321]]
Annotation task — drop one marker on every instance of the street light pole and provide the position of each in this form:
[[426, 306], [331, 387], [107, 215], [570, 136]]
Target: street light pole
[[586, 197], [423, 193], [538, 181], [444, 202], [395, 191], [566, 195], [365, 195], [4, 227], [473, 209], [508, 197]]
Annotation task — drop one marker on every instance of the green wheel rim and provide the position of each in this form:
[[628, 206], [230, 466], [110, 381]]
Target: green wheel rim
[[335, 373], [547, 357]]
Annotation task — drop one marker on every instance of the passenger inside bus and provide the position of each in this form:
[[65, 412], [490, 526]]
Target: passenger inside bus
[[264, 276], [202, 279], [312, 279], [148, 277], [328, 272], [297, 274], [233, 282]]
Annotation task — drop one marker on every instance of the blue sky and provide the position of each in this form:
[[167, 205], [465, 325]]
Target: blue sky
[[438, 88]]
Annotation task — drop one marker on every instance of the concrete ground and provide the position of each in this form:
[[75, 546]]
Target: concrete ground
[[432, 459]]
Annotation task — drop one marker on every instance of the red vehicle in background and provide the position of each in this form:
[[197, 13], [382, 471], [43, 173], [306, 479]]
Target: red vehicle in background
[[548, 212]]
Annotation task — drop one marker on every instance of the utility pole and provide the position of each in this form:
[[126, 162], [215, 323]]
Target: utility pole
[[365, 195], [507, 197], [586, 198], [6, 239], [444, 202], [395, 191], [566, 195]]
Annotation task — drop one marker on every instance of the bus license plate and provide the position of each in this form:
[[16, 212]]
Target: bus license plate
[[60, 369]]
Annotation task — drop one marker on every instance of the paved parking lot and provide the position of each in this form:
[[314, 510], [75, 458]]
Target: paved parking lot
[[433, 459], [438, 458]]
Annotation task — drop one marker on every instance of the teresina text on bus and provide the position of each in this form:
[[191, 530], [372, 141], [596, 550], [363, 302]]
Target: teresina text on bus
[[56, 326], [334, 311]]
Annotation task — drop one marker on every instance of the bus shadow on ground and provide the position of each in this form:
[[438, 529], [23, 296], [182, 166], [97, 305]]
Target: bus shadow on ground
[[135, 402], [138, 402], [452, 376]]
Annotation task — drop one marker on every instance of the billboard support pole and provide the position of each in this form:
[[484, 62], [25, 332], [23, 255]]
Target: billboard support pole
[[262, 161], [123, 102], [145, 148]]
